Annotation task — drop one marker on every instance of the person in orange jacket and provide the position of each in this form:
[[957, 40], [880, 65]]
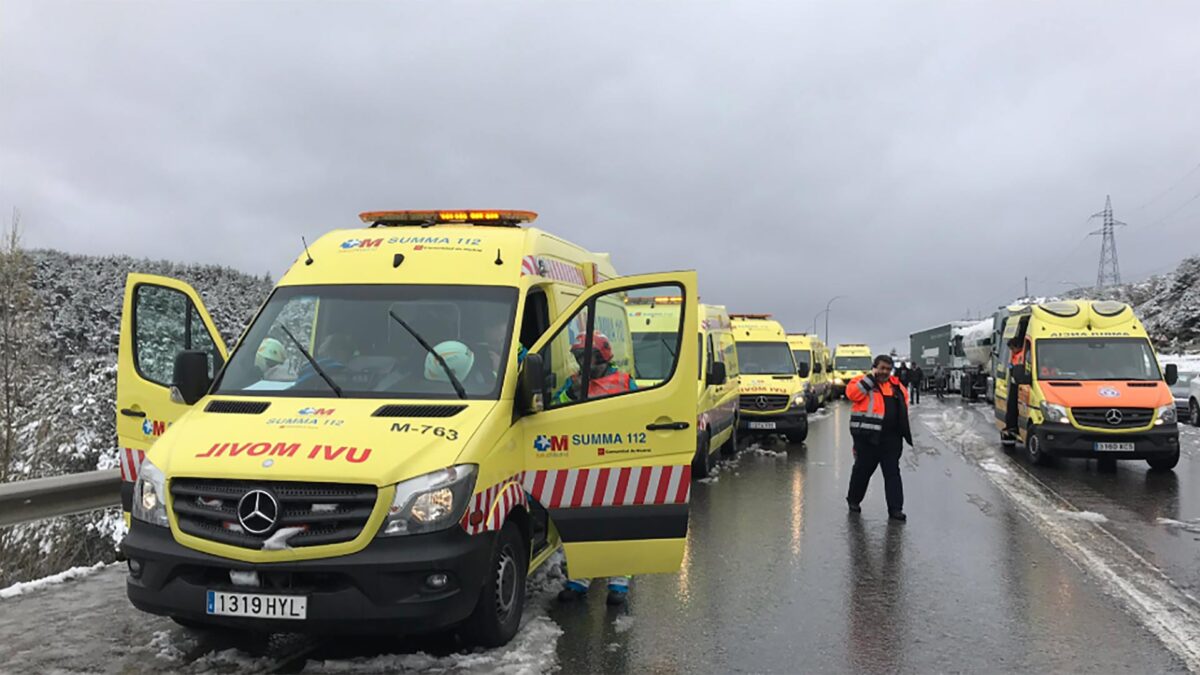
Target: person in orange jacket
[[879, 427], [1016, 349]]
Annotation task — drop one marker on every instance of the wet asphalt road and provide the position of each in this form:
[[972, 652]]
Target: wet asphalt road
[[778, 577], [1001, 567]]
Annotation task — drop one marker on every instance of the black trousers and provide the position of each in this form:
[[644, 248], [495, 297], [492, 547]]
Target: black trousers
[[914, 393], [887, 456]]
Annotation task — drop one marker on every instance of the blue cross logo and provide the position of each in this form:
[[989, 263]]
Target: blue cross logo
[[541, 444], [147, 428]]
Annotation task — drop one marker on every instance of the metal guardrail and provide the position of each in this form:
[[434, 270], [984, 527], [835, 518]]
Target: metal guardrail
[[29, 500]]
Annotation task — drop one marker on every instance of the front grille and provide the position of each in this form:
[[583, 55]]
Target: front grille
[[329, 513], [769, 402], [1103, 418]]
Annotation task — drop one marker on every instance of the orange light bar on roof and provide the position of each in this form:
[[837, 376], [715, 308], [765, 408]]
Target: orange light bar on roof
[[451, 216]]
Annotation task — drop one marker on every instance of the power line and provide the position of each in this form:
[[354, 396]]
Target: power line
[[1174, 185]]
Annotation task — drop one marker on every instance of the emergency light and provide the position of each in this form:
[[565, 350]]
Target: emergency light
[[750, 316], [386, 218]]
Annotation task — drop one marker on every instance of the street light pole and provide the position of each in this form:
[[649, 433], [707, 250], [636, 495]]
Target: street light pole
[[827, 315], [814, 330]]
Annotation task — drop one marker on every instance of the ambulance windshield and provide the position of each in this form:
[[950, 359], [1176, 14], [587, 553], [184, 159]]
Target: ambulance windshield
[[1096, 359], [852, 363], [351, 333], [765, 358]]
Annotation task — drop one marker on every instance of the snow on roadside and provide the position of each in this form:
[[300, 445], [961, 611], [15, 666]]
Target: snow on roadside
[[1086, 516], [1185, 525], [533, 650], [62, 577], [992, 466], [1185, 362]]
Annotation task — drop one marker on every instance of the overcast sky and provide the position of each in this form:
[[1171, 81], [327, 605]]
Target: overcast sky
[[918, 158]]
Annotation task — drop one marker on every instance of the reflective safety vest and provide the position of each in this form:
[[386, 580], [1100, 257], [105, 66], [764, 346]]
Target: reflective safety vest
[[867, 407], [612, 382], [1018, 356]]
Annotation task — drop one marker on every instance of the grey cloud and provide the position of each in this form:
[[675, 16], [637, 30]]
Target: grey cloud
[[919, 158]]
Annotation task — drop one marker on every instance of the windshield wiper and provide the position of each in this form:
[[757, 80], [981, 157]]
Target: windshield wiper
[[462, 393], [311, 361]]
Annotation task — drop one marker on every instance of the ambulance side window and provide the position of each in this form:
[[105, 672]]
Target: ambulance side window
[[536, 317], [165, 322], [592, 356]]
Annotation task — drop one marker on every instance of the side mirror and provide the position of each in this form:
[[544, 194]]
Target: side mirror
[[191, 381], [717, 374], [802, 369], [1172, 374], [530, 385], [1021, 375]]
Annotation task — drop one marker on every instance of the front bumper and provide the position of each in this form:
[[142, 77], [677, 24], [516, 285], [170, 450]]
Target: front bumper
[[380, 589], [791, 421], [1064, 440]]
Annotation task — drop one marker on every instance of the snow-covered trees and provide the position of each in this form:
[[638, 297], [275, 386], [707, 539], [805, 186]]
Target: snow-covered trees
[[64, 375]]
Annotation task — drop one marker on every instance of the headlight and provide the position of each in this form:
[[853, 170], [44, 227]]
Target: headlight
[[431, 502], [838, 380], [798, 400], [149, 495], [1055, 413], [1166, 415]]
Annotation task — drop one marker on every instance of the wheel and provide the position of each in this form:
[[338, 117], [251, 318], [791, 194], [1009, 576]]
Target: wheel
[[1033, 449], [1166, 463], [798, 437], [811, 404], [702, 462], [497, 615], [1194, 413], [730, 447]]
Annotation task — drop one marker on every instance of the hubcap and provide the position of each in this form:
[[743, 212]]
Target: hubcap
[[506, 584]]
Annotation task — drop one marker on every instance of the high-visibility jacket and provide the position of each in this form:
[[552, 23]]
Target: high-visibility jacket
[[1018, 356], [612, 382], [867, 407]]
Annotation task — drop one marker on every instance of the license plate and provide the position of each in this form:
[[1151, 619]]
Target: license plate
[[762, 425], [257, 605], [1114, 447]]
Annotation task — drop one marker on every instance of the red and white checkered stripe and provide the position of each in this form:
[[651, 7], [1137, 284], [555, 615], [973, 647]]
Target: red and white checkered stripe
[[493, 504], [552, 269], [629, 486], [131, 462]]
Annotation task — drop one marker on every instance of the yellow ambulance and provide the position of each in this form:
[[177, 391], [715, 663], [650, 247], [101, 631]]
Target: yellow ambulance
[[849, 360], [771, 391], [423, 410], [809, 352], [652, 321], [1088, 384]]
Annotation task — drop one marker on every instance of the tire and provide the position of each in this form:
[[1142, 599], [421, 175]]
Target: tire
[[799, 437], [702, 462], [729, 449], [1033, 449], [1194, 413], [497, 614], [1164, 463], [811, 405]]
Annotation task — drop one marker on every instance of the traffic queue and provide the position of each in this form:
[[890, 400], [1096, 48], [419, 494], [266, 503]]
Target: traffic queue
[[429, 407]]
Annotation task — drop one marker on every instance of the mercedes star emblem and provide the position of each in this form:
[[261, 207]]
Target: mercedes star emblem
[[761, 402], [1113, 416], [257, 511]]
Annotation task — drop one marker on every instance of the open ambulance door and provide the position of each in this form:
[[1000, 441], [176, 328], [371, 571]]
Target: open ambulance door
[[610, 463], [160, 318]]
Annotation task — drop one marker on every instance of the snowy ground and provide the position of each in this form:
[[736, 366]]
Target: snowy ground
[[1185, 362]]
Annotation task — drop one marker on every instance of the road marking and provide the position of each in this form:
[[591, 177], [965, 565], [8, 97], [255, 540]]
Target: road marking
[[1166, 610]]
